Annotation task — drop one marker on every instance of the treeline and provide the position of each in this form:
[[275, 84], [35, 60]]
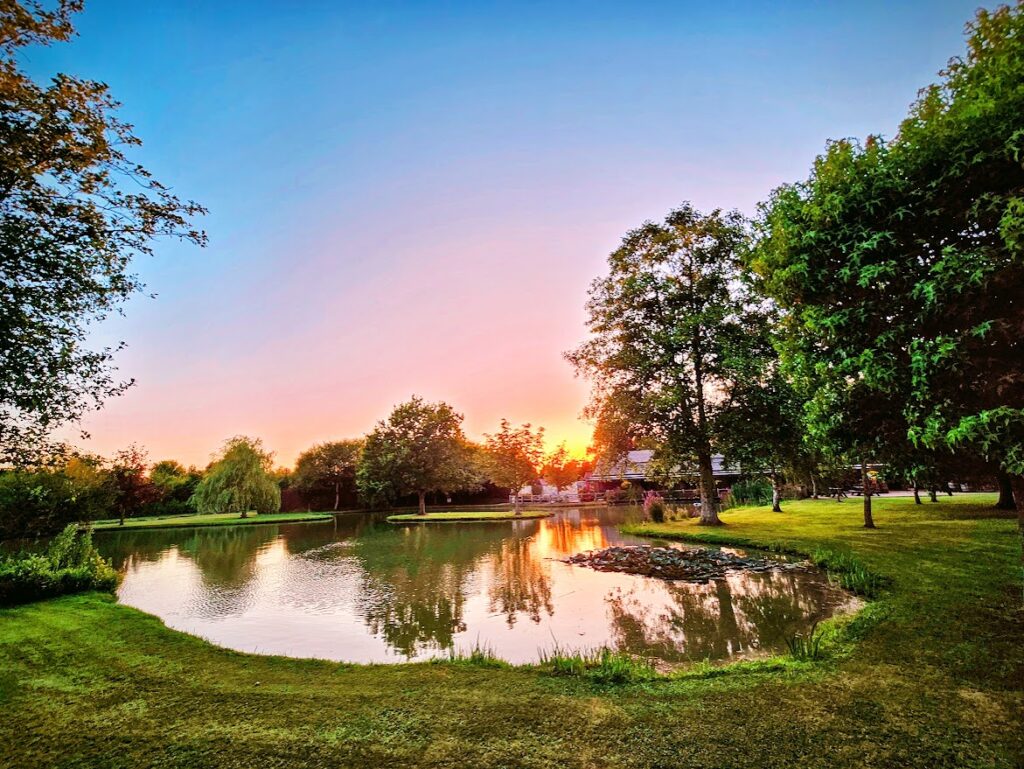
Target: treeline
[[869, 315], [418, 450]]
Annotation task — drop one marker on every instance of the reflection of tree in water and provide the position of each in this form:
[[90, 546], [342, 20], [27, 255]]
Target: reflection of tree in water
[[714, 621], [521, 580], [415, 577]]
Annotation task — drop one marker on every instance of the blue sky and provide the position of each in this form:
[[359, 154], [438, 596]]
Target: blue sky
[[413, 198]]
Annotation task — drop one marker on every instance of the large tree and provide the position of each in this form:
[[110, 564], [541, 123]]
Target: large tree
[[665, 324], [239, 480], [328, 466], [901, 265], [418, 449], [515, 456], [74, 212]]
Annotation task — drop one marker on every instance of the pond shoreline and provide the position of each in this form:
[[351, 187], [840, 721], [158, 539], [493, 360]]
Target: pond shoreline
[[191, 522]]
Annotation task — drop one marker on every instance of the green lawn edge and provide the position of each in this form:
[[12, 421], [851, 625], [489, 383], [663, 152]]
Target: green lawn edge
[[489, 515], [188, 522]]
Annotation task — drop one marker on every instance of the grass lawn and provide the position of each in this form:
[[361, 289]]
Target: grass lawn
[[470, 515], [929, 675], [213, 519]]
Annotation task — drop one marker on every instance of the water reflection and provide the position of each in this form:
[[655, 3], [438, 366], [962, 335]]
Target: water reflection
[[362, 590]]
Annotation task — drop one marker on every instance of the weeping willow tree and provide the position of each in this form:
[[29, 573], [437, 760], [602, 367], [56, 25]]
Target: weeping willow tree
[[239, 481]]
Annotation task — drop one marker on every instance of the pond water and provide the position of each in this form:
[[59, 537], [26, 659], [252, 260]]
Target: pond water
[[359, 589]]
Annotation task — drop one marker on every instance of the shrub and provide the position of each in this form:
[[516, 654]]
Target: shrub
[[70, 564], [654, 507], [41, 502], [752, 491]]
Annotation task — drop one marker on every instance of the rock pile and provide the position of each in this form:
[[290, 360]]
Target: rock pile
[[690, 564]]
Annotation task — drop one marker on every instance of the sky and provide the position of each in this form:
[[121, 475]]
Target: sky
[[413, 198]]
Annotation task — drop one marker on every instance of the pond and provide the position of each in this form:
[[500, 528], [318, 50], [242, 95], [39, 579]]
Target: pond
[[359, 589]]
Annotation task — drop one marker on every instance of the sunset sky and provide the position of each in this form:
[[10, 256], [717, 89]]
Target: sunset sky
[[413, 198]]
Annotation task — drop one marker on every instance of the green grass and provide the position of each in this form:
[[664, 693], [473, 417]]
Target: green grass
[[929, 674], [470, 515], [214, 519]]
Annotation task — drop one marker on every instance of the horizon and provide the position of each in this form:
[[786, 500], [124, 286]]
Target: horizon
[[410, 201]]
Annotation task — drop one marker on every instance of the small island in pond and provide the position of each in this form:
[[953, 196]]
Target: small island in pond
[[470, 515], [690, 564]]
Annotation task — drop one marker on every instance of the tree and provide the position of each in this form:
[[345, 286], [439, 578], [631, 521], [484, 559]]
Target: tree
[[901, 265], [515, 456], [239, 480], [74, 212], [176, 485], [129, 478], [328, 466], [419, 448], [560, 470], [761, 425], [665, 324]]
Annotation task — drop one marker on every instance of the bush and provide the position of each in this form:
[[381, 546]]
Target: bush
[[654, 507], [42, 502], [70, 564], [753, 491]]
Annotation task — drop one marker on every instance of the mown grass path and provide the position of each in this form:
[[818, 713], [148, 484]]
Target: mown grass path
[[470, 515], [929, 675]]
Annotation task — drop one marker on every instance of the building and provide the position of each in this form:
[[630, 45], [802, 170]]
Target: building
[[635, 468]]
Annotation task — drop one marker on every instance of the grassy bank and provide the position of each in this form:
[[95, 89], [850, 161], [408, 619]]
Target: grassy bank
[[470, 515], [930, 675], [215, 519]]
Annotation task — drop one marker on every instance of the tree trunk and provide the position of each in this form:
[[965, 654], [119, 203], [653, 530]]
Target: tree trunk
[[423, 503], [245, 514], [1017, 483], [814, 487], [337, 495], [515, 503], [917, 495], [1005, 492], [776, 494], [708, 492], [869, 522], [933, 494]]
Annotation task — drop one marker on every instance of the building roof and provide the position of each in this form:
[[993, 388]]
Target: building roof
[[635, 465]]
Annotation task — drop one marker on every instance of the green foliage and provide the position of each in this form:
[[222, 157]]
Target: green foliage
[[849, 572], [900, 266], [75, 212], [751, 491], [418, 449], [40, 502], [514, 456], [239, 480], [479, 656], [328, 467], [806, 646], [669, 323], [175, 485], [603, 665], [69, 565]]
